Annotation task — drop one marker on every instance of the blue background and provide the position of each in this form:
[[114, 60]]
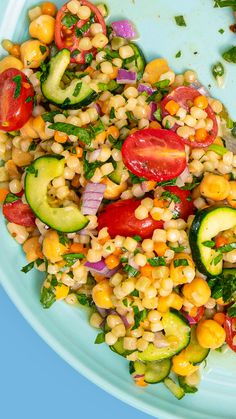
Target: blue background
[[36, 383]]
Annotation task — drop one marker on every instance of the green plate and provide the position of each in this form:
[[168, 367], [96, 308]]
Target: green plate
[[65, 328]]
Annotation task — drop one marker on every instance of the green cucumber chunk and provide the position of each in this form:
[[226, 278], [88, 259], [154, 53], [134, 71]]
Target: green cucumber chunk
[[119, 349], [138, 62], [75, 95], [116, 175], [207, 224], [175, 389], [188, 388], [194, 352], [154, 372], [42, 171], [177, 329]]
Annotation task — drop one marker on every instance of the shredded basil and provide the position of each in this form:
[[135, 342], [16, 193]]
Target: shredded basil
[[157, 261], [178, 54], [43, 49], [28, 267], [230, 55], [63, 239], [71, 129], [130, 270], [169, 195], [69, 20], [85, 300], [47, 297], [11, 198], [139, 316], [88, 58], [100, 338], [72, 258]]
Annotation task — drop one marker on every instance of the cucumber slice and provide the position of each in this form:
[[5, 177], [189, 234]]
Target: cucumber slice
[[138, 63], [75, 95], [185, 386], [117, 174], [119, 349], [194, 352], [154, 372], [207, 223], [40, 173], [177, 329], [175, 389]]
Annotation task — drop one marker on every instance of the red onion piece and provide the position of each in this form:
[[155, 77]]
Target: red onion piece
[[125, 321], [124, 29], [132, 263], [137, 376], [153, 108], [182, 178], [102, 311], [190, 319], [101, 268], [126, 76], [98, 108], [201, 89], [144, 88], [92, 198]]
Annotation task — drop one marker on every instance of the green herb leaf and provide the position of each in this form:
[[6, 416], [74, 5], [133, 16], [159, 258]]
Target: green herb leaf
[[209, 243], [227, 248], [157, 114], [63, 239], [180, 21], [49, 116], [69, 20], [112, 113], [89, 168], [232, 310], [11, 198], [85, 300], [178, 249], [157, 261], [137, 238], [170, 182], [180, 262], [130, 270], [71, 129], [217, 259], [162, 83], [136, 179], [18, 80], [135, 293], [32, 146], [221, 31], [178, 54], [218, 70], [123, 259], [43, 49], [31, 169], [169, 195], [125, 302], [47, 297], [189, 186], [100, 338], [28, 267], [72, 258], [139, 316], [88, 58], [39, 262], [230, 55], [28, 99], [77, 89]]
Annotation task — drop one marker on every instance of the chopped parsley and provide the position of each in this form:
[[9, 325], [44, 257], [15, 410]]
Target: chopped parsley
[[100, 338], [69, 20], [180, 21], [47, 297], [180, 262], [135, 293], [178, 249], [49, 116], [28, 267], [63, 239], [137, 238], [32, 146], [11, 198], [157, 114], [85, 300], [178, 54], [157, 261], [136, 179], [43, 49], [221, 31], [18, 80], [169, 195], [230, 55], [89, 168], [72, 258], [28, 99], [162, 83], [223, 286], [130, 270], [112, 113], [139, 316], [88, 58], [170, 182]]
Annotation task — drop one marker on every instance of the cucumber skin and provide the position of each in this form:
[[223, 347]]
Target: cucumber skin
[[193, 238]]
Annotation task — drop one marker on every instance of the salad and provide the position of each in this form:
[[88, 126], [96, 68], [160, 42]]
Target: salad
[[118, 179]]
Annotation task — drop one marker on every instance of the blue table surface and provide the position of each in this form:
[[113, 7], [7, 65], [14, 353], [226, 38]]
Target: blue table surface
[[36, 383]]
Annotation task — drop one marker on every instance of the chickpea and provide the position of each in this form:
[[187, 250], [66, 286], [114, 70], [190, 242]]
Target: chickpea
[[33, 53], [102, 293], [43, 28], [197, 292]]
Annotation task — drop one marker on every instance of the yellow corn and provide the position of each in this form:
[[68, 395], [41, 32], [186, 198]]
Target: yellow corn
[[52, 248], [155, 69], [43, 28], [10, 62], [61, 291]]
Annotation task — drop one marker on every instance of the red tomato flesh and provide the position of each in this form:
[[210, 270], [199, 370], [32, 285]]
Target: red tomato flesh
[[19, 213], [155, 154], [120, 219], [67, 38], [185, 207], [230, 330], [185, 96], [16, 99]]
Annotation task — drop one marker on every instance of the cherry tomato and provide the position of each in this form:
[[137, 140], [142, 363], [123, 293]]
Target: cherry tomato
[[66, 37], [19, 213], [230, 330], [156, 154], [185, 96], [16, 99], [185, 207], [120, 219], [194, 320]]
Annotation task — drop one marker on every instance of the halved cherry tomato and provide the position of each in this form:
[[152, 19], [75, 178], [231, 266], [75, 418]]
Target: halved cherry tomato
[[230, 330], [185, 96], [156, 154], [185, 207], [66, 37], [120, 219], [194, 319], [19, 213], [16, 99]]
